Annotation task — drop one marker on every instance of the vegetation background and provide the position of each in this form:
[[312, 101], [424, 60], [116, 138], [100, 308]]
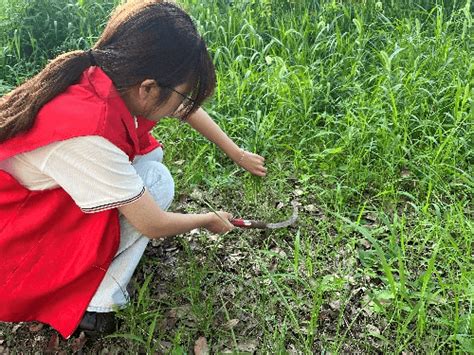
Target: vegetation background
[[364, 111]]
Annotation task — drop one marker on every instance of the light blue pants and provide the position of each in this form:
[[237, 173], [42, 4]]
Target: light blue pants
[[112, 292]]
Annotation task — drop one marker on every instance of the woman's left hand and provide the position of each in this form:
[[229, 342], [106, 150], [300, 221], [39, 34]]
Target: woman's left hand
[[253, 163]]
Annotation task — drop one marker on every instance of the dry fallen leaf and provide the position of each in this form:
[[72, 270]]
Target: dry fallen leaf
[[194, 231], [166, 346], [182, 311], [311, 208], [169, 321], [231, 323], [278, 251], [196, 195], [201, 347], [373, 329], [249, 346], [405, 173], [291, 349], [16, 327], [79, 342], [36, 327], [235, 257], [53, 344], [371, 217]]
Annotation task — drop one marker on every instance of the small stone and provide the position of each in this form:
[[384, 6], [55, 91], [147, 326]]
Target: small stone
[[280, 205], [311, 208], [214, 237], [365, 243], [373, 329], [335, 305], [298, 192]]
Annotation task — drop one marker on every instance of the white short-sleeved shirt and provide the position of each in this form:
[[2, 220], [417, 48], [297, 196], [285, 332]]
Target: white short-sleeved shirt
[[93, 171]]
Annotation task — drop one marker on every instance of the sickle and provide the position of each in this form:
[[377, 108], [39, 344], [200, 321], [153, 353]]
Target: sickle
[[248, 223]]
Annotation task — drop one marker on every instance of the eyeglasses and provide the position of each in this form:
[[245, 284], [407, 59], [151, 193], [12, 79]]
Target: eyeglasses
[[184, 109], [186, 99]]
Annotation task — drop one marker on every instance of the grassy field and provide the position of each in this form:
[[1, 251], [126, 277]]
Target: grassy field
[[364, 112]]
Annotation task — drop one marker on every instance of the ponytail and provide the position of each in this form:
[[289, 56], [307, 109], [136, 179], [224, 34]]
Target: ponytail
[[18, 109], [149, 39]]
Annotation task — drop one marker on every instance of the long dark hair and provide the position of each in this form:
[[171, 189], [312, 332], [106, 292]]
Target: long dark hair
[[142, 40]]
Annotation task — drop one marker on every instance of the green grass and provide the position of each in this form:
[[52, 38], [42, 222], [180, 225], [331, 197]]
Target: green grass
[[364, 112]]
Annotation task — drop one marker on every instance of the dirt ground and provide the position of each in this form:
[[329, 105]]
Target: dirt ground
[[233, 259]]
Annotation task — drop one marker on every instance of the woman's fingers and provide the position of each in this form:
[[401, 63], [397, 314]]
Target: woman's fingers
[[220, 222], [261, 170], [253, 163]]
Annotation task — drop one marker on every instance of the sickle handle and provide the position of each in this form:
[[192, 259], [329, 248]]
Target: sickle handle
[[247, 223]]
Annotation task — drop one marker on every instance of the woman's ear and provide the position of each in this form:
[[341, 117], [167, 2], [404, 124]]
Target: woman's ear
[[148, 89]]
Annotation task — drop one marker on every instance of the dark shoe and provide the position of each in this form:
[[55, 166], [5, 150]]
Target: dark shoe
[[96, 324]]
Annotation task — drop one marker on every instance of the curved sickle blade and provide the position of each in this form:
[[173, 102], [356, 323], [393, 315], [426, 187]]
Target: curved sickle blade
[[245, 223], [286, 223]]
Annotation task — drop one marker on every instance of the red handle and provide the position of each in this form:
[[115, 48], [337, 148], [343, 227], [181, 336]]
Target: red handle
[[247, 223]]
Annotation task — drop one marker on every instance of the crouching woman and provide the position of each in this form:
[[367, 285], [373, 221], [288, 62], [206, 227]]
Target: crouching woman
[[82, 185]]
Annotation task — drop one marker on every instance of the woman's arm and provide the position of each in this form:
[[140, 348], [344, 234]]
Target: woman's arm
[[149, 219], [205, 125]]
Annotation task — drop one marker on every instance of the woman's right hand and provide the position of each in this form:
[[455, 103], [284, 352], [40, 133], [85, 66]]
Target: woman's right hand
[[219, 222], [149, 219]]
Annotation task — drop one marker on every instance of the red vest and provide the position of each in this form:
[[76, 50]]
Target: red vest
[[52, 255]]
